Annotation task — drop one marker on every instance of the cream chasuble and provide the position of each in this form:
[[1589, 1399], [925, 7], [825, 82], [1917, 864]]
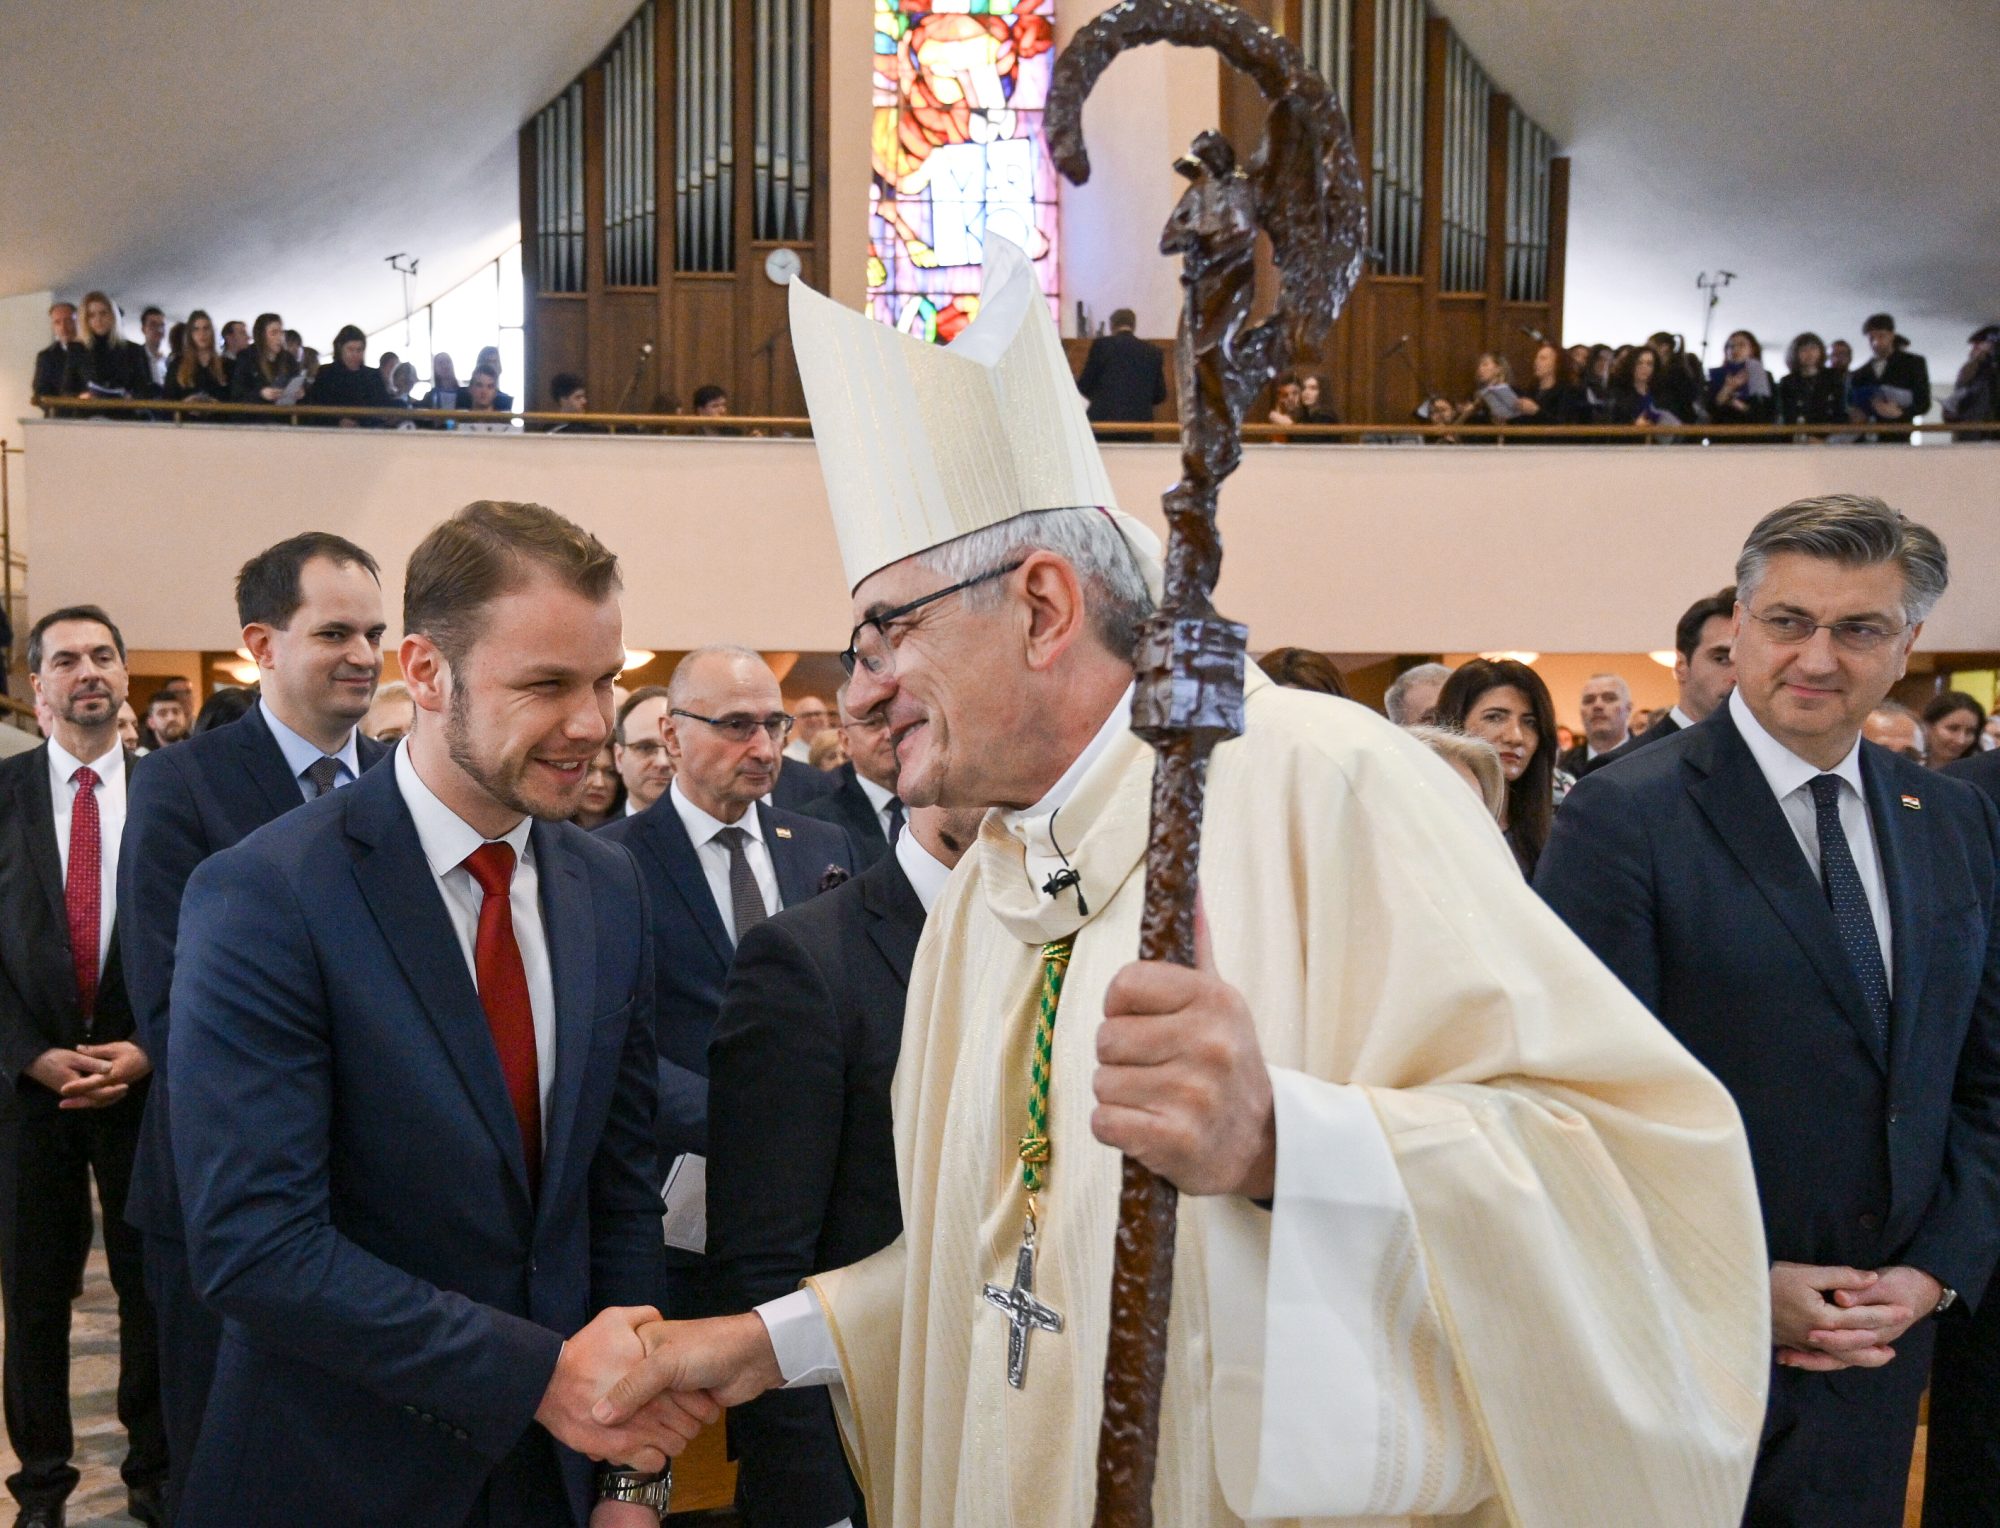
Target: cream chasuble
[[1525, 1284]]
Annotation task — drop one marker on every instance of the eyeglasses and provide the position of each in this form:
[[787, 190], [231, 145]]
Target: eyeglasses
[[871, 646], [644, 750], [1854, 636], [739, 728]]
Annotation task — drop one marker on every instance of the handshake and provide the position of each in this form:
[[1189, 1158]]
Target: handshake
[[636, 1390]]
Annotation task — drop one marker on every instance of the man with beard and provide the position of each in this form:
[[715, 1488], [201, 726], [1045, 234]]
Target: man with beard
[[311, 611], [414, 1115], [168, 716], [74, 1082]]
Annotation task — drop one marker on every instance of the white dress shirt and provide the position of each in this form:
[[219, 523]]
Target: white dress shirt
[[925, 872], [447, 840], [301, 755], [714, 855], [1790, 777], [110, 770], [1680, 717], [879, 799]]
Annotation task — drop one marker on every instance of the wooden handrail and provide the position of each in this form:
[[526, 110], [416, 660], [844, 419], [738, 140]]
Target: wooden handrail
[[743, 425]]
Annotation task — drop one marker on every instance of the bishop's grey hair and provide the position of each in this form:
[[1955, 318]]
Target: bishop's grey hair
[[1857, 532], [1087, 539]]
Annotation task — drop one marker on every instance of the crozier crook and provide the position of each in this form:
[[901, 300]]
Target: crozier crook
[[1303, 190]]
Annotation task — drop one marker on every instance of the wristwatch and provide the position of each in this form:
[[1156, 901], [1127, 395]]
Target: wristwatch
[[618, 1484]]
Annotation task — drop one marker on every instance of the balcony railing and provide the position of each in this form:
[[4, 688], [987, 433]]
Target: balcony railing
[[190, 411]]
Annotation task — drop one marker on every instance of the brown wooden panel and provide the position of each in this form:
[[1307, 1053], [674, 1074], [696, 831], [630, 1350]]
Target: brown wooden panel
[[1558, 240], [1458, 329], [767, 378], [702, 341], [622, 321], [561, 329], [1393, 384]]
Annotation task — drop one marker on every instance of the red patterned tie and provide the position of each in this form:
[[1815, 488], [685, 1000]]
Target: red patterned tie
[[84, 891], [503, 993]]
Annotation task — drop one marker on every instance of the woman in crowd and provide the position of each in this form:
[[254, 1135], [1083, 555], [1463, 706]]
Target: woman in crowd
[[228, 704], [265, 371], [1633, 400], [350, 382], [828, 751], [105, 364], [1315, 402], [1473, 760], [1811, 392], [445, 389], [1740, 390], [1494, 400], [198, 371], [1677, 378], [1555, 398], [1596, 383], [1953, 721], [1440, 410], [1506, 703], [402, 383], [603, 793]]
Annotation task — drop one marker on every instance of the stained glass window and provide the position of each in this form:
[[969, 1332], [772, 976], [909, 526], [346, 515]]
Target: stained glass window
[[960, 86]]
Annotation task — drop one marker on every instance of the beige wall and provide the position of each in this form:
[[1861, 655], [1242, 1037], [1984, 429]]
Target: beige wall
[[1353, 549]]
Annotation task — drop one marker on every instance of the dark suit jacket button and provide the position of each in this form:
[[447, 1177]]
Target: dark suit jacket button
[[1895, 1115], [1871, 1221]]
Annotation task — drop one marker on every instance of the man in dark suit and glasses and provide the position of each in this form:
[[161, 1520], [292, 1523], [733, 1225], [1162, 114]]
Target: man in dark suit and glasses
[[802, 1172], [864, 801], [1124, 378], [413, 1058], [717, 860], [1814, 918], [311, 611], [72, 1083], [1703, 673]]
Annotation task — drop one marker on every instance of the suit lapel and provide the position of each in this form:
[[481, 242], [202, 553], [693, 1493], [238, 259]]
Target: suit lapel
[[35, 811], [1736, 798], [798, 877], [1908, 885], [860, 810], [397, 884], [566, 922], [264, 761], [895, 918], [663, 833]]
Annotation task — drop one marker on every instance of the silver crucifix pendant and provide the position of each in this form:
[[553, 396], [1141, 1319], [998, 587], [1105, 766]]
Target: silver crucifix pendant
[[1023, 1311]]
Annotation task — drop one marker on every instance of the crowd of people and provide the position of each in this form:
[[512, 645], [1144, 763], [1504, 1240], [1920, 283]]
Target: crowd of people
[[192, 361], [1659, 382], [684, 766]]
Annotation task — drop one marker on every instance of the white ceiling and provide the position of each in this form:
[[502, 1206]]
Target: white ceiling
[[238, 155], [1836, 154]]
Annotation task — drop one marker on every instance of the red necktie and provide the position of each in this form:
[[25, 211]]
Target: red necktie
[[83, 892], [503, 993]]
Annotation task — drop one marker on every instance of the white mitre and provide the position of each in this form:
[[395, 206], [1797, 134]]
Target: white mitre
[[921, 444]]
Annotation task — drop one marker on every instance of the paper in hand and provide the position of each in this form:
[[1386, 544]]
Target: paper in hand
[[685, 1198]]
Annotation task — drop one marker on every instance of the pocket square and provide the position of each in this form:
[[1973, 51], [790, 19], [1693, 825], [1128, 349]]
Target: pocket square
[[831, 877]]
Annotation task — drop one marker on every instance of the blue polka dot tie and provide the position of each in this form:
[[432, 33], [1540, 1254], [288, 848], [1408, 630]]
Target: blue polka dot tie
[[1849, 901]]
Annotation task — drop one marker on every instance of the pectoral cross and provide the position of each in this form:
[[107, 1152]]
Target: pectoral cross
[[1023, 1312]]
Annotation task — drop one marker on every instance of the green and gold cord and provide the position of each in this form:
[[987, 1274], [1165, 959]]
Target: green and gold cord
[[1035, 1144]]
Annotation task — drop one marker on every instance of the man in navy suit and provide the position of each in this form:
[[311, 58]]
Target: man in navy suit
[[413, 1118], [1814, 917], [311, 612], [717, 859], [864, 799], [1702, 673]]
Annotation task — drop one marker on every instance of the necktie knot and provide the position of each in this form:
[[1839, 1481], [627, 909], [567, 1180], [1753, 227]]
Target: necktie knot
[[1825, 791], [321, 774], [492, 866], [85, 778]]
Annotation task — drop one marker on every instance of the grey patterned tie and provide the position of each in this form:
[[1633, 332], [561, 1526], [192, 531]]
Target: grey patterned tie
[[1849, 901], [321, 774], [746, 898]]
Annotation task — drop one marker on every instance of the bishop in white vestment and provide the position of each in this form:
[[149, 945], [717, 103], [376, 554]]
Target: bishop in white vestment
[[1510, 1267]]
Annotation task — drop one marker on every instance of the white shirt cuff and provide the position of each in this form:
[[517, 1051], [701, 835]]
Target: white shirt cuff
[[802, 1341]]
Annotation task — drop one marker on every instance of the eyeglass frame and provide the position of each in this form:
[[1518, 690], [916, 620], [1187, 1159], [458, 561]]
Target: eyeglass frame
[[777, 726], [850, 659], [1843, 632]]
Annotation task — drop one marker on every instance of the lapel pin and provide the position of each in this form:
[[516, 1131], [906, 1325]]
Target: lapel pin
[[787, 832], [1914, 803]]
